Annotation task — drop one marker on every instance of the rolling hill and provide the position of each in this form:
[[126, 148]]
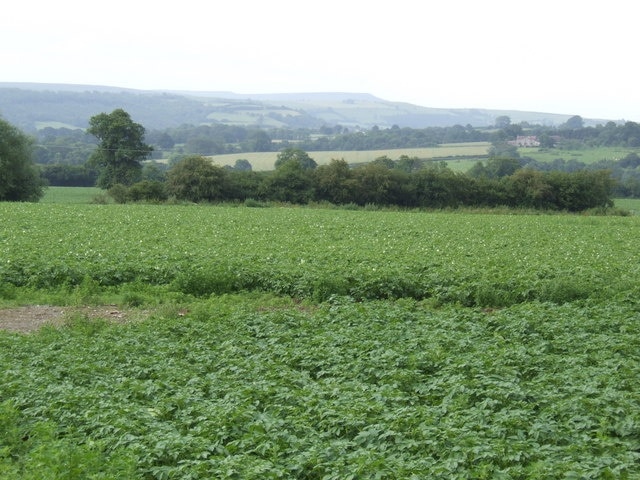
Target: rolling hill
[[32, 106]]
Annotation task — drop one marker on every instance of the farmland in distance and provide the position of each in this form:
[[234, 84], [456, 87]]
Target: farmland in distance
[[319, 343], [459, 157], [451, 152]]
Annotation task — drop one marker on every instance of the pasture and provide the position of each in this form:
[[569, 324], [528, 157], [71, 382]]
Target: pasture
[[318, 343], [586, 155], [71, 195]]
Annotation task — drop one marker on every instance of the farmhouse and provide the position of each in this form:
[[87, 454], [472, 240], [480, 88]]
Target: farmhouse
[[525, 141]]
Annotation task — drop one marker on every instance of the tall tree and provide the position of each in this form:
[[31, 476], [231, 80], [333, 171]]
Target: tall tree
[[20, 180], [120, 150]]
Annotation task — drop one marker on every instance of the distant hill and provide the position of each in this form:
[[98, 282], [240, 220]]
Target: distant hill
[[33, 106]]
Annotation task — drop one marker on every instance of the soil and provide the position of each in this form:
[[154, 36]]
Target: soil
[[30, 318]]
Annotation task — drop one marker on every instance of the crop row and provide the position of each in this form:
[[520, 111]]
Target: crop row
[[486, 260]]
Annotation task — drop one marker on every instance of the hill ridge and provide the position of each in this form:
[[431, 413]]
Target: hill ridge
[[34, 105]]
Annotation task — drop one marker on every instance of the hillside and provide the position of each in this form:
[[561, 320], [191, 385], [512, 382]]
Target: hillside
[[33, 106]]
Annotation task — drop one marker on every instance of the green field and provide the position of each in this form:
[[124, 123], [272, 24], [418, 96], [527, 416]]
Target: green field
[[587, 155], [264, 160], [320, 344], [71, 194], [630, 204]]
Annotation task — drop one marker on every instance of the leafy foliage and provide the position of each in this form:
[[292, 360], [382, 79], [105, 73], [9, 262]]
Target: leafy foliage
[[19, 179], [299, 343], [194, 178], [471, 259], [120, 150], [260, 387]]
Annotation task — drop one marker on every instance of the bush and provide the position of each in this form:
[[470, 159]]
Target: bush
[[119, 193], [252, 203], [148, 190], [194, 178]]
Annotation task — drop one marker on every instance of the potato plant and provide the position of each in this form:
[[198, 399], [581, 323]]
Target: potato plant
[[321, 344], [249, 386], [470, 259]]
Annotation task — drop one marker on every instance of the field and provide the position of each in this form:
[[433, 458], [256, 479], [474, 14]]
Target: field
[[587, 155], [67, 195], [265, 160], [319, 344], [460, 157], [630, 204]]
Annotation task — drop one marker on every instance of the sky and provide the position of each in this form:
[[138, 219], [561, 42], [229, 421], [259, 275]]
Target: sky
[[563, 56]]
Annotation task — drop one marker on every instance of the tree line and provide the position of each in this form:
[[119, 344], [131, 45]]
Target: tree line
[[67, 146], [434, 185], [116, 165]]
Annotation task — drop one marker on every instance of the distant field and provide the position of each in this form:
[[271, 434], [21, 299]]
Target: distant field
[[262, 117], [467, 155], [588, 156], [70, 194], [631, 204], [264, 160]]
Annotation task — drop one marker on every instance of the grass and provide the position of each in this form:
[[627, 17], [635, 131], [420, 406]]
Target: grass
[[70, 195], [630, 204], [587, 155]]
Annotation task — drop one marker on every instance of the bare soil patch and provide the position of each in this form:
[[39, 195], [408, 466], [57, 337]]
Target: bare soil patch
[[29, 318]]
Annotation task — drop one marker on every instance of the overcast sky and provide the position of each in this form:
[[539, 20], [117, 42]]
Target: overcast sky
[[563, 56]]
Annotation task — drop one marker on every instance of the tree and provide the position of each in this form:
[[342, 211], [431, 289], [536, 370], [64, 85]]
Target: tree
[[632, 160], [574, 123], [437, 186], [295, 154], [194, 178], [384, 161], [408, 164], [502, 121], [503, 149], [20, 180], [61, 175], [243, 165], [498, 167], [374, 184], [335, 183], [530, 188], [291, 183], [260, 141], [120, 150], [581, 190]]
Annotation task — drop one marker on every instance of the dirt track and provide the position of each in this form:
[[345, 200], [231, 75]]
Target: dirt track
[[30, 318]]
